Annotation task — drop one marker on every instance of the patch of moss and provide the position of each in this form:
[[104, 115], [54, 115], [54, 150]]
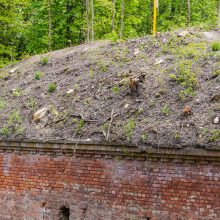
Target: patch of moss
[[129, 128]]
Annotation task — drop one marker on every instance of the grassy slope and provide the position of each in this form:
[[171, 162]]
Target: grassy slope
[[187, 75]]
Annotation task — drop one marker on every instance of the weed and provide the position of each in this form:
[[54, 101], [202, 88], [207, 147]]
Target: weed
[[216, 73], [144, 137], [31, 103], [166, 110], [45, 60], [115, 89], [76, 86], [215, 136], [38, 75], [103, 67], [177, 136], [14, 117], [54, 111], [17, 92], [129, 128], [80, 126], [2, 104], [19, 129], [4, 131], [185, 78], [52, 87], [152, 104], [91, 73], [3, 74], [215, 46], [192, 50]]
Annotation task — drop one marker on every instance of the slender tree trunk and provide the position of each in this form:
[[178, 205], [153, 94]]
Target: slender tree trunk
[[113, 15], [69, 21], [189, 12], [122, 18], [50, 25], [92, 21], [219, 13], [87, 22]]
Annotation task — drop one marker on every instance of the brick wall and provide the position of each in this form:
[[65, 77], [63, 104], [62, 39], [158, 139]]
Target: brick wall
[[94, 186]]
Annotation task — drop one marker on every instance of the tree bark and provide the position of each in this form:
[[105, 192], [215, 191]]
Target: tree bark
[[92, 19], [50, 25], [218, 14], [113, 15], [87, 22], [189, 12], [70, 18], [122, 18]]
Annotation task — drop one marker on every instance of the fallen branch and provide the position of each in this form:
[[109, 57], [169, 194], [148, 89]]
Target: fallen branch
[[109, 127]]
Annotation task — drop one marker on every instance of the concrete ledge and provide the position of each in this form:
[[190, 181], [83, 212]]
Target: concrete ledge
[[108, 151]]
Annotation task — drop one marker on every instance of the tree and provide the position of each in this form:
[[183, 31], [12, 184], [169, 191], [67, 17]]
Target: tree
[[122, 18]]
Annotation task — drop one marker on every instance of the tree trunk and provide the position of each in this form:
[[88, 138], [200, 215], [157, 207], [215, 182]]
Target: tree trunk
[[69, 21], [113, 15], [87, 22], [50, 25], [219, 13], [92, 19], [122, 18], [189, 12]]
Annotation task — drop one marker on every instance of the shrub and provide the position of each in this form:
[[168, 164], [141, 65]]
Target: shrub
[[4, 131], [2, 104], [45, 60], [38, 75], [129, 128], [216, 46], [52, 87]]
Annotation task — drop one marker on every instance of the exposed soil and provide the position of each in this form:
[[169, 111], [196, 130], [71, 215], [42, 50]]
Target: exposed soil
[[175, 99]]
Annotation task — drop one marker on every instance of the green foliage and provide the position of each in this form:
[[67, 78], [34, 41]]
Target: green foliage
[[14, 118], [17, 92], [80, 126], [91, 73], [215, 135], [52, 87], [38, 75], [4, 131], [166, 110], [186, 78], [115, 89], [25, 23], [129, 128], [2, 104], [216, 46], [45, 60], [31, 103]]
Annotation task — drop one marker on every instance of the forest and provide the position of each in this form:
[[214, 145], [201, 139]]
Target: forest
[[29, 27]]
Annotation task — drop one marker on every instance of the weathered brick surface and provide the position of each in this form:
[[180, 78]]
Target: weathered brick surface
[[34, 186]]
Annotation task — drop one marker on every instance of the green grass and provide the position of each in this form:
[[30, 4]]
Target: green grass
[[129, 128], [215, 46], [52, 87], [38, 75], [2, 104], [4, 131], [45, 60]]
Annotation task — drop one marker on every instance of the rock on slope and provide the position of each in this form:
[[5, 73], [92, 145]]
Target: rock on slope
[[147, 91]]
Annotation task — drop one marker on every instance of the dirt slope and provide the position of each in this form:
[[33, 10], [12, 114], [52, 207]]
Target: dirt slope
[[147, 91]]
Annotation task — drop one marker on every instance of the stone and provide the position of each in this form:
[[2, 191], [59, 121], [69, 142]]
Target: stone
[[14, 70], [182, 33], [216, 120], [69, 92], [39, 114], [159, 61], [136, 51]]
